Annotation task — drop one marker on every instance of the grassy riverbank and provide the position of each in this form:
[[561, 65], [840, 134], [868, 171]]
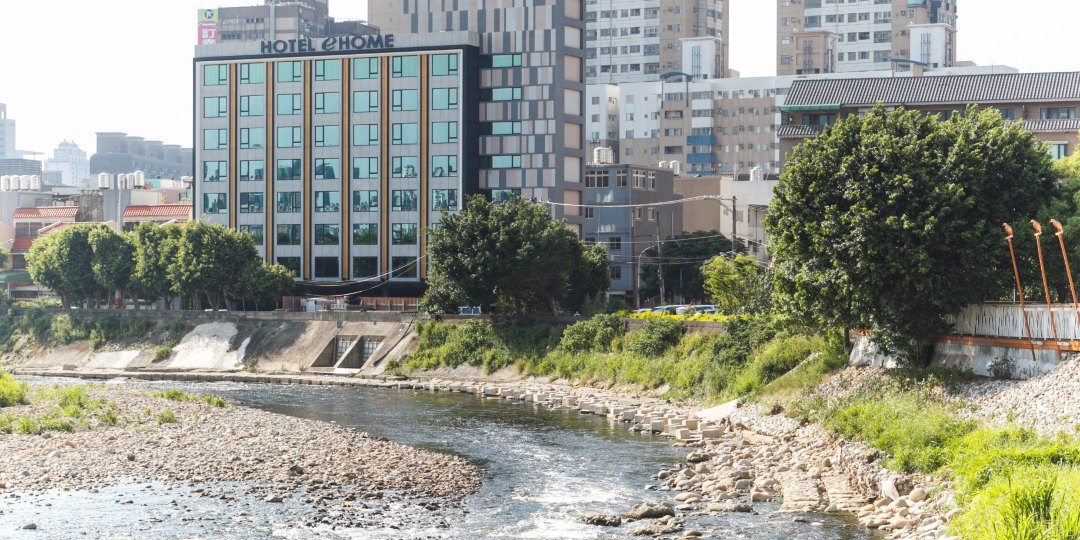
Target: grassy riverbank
[[40, 328]]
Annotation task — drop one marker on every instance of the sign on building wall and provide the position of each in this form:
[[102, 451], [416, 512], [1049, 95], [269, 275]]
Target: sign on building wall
[[208, 26]]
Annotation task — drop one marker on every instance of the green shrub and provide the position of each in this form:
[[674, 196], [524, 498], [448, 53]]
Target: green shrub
[[592, 335], [64, 330], [162, 352], [775, 359], [12, 392], [1028, 503], [96, 339], [172, 394], [656, 337], [166, 416]]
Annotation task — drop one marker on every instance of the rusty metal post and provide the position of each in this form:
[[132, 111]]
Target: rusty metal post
[[1068, 271], [1046, 286], [1019, 289]]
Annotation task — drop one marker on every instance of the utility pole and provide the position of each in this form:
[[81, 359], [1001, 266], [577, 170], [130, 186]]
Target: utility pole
[[734, 245], [659, 259]]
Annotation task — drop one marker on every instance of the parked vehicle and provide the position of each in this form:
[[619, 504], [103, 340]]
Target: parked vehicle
[[665, 309], [469, 310], [708, 309]]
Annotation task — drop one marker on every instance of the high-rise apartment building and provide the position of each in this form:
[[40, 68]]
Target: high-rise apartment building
[[870, 35], [640, 40], [7, 135], [283, 19]]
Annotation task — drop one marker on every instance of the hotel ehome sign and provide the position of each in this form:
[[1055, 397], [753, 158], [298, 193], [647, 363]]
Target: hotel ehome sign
[[341, 43]]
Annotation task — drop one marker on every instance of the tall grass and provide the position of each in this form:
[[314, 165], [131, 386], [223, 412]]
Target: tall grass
[[12, 392]]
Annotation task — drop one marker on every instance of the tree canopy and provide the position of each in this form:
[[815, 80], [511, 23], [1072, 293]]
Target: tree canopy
[[889, 221], [511, 256], [737, 285], [681, 258]]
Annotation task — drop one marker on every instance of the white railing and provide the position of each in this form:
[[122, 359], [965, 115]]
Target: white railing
[[1007, 320]]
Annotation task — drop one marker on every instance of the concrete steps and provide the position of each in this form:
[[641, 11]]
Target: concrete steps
[[840, 494], [799, 490]]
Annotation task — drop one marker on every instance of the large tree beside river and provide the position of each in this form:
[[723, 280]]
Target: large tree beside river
[[891, 220]]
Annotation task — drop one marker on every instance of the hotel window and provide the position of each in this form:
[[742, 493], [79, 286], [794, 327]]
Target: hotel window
[[288, 235], [252, 137], [365, 68], [215, 171], [365, 267], [365, 167], [403, 234], [503, 195], [327, 103], [289, 104], [444, 166], [365, 201], [501, 94], [500, 61], [500, 162], [444, 132], [327, 136], [214, 107], [501, 128], [215, 139], [365, 234], [444, 64], [251, 203], [215, 75], [254, 231], [404, 166], [252, 105], [327, 168], [326, 267], [251, 169], [288, 202], [252, 73], [215, 203], [290, 263], [366, 101], [403, 267], [327, 235], [405, 100], [289, 136], [404, 134], [444, 99], [327, 70], [444, 199], [405, 66], [290, 72], [327, 201], [1057, 113], [289, 169], [403, 200], [365, 134]]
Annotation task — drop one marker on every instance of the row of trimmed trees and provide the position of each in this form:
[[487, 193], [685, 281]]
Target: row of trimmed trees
[[93, 265]]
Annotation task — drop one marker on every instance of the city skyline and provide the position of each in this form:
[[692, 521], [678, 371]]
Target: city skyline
[[110, 73]]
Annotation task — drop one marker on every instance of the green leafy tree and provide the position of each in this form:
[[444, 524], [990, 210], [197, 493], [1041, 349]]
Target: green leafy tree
[[889, 221], [113, 259], [63, 262], [3, 257], [737, 285], [263, 284], [681, 258], [513, 256], [155, 249]]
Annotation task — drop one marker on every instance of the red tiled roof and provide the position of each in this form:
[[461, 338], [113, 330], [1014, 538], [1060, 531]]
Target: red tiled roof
[[61, 225], [46, 212], [158, 210], [22, 244]]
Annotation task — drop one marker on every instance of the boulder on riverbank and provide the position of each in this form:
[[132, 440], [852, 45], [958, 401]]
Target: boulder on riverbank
[[603, 520], [650, 510]]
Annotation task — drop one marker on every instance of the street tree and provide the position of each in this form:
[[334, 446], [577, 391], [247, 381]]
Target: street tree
[[63, 262], [889, 221], [681, 258], [737, 285], [155, 249], [113, 259]]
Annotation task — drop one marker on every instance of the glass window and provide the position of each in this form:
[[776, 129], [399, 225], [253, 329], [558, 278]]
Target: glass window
[[365, 68], [1057, 113], [327, 168], [215, 139], [405, 66], [1058, 150], [291, 263], [215, 171], [443, 132], [251, 203], [326, 267], [252, 105], [404, 166], [328, 135], [444, 98], [365, 267], [289, 136], [403, 200], [327, 102], [500, 162], [403, 267], [365, 167], [214, 107], [444, 199], [1008, 114], [443, 165], [405, 100], [251, 169], [327, 201], [252, 73], [500, 60], [289, 169], [366, 101], [444, 64], [404, 134], [327, 235], [365, 201], [503, 195], [365, 134], [290, 72], [289, 104], [501, 128], [252, 137], [288, 202], [215, 75], [288, 235], [327, 70], [365, 234], [255, 231], [215, 203], [403, 234], [501, 94]]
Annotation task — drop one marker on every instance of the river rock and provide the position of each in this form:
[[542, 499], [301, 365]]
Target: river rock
[[650, 510], [917, 495], [30, 527], [604, 520], [657, 527]]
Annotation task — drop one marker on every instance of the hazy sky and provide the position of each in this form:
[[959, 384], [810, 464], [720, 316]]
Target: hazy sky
[[125, 65]]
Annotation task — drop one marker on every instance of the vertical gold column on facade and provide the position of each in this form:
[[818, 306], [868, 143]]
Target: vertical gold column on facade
[[308, 170], [425, 125], [384, 169], [234, 153], [346, 168], [269, 167]]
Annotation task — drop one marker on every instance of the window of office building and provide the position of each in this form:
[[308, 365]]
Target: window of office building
[[365, 68], [403, 267], [444, 64], [365, 134], [252, 105], [443, 166], [215, 74], [215, 203], [215, 139], [327, 234], [365, 167], [288, 235], [252, 73], [215, 171], [405, 100], [365, 267], [365, 234], [444, 199], [405, 66], [444, 132], [327, 70], [251, 203], [327, 168], [327, 102], [290, 263], [503, 195], [214, 107], [326, 267], [288, 202], [404, 166], [290, 136], [403, 200], [501, 94], [366, 101], [404, 133], [500, 60], [500, 162], [365, 201], [327, 136], [290, 72], [251, 169], [289, 104], [254, 231], [403, 234], [252, 137], [501, 128], [289, 169], [327, 201]]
